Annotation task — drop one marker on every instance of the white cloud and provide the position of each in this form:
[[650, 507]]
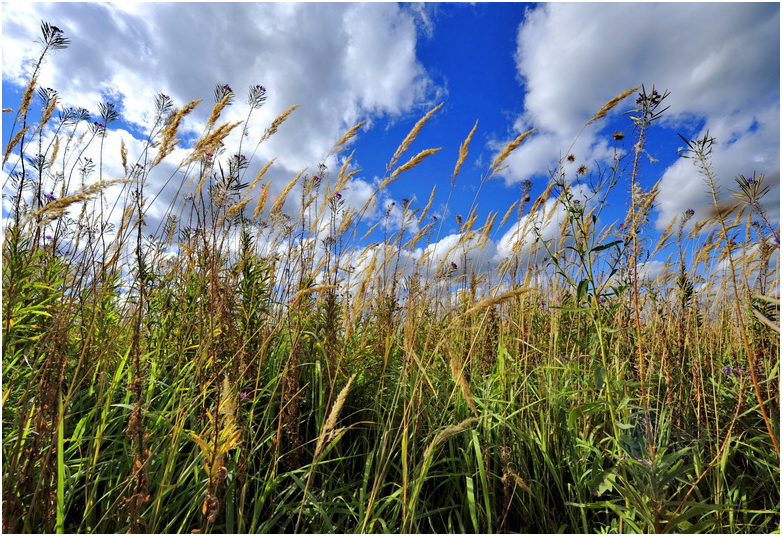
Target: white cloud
[[340, 62], [719, 61]]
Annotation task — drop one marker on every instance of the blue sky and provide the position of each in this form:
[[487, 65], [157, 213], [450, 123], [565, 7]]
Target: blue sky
[[511, 66]]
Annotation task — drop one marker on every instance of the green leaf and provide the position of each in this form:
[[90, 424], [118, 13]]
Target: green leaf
[[605, 246], [600, 377], [604, 482]]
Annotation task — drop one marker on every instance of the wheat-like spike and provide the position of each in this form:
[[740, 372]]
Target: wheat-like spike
[[447, 433], [331, 422], [414, 161], [348, 135], [261, 173], [7, 110], [428, 204], [218, 108], [345, 165], [347, 221], [463, 150], [234, 209], [261, 201], [508, 213], [210, 142], [14, 142], [269, 132], [342, 181], [457, 370], [487, 227], [123, 154], [277, 206], [371, 229], [508, 149], [422, 232], [610, 104], [47, 113], [169, 141], [27, 97], [52, 210], [667, 233], [412, 135], [55, 151]]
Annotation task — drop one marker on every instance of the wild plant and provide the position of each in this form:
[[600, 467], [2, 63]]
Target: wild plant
[[248, 365]]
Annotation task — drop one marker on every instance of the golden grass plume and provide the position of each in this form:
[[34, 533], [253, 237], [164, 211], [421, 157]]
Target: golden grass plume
[[412, 135], [610, 104], [509, 148], [463, 150]]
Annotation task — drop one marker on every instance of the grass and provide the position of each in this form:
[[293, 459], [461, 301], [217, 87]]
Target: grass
[[271, 379]]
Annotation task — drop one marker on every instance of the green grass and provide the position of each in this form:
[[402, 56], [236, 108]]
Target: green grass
[[236, 391]]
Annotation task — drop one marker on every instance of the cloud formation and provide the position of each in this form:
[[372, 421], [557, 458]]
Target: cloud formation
[[340, 62], [574, 57]]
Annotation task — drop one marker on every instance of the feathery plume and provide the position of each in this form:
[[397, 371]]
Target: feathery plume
[[269, 132], [463, 150], [610, 104], [412, 135], [509, 148]]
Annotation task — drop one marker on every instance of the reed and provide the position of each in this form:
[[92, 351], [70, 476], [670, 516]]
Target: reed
[[278, 375]]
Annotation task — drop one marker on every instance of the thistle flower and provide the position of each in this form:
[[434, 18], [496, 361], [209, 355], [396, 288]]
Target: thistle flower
[[337, 196]]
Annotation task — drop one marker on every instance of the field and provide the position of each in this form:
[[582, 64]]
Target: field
[[277, 375]]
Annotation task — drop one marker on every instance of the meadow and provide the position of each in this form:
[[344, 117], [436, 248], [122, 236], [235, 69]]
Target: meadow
[[275, 375]]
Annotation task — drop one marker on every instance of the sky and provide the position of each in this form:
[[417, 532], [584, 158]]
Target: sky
[[509, 66]]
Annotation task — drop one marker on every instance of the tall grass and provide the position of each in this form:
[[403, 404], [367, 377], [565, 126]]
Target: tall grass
[[277, 376]]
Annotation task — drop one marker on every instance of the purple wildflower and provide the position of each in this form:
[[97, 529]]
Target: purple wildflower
[[49, 237], [243, 395], [99, 124], [726, 370], [49, 197], [227, 87], [601, 299], [337, 196], [689, 212]]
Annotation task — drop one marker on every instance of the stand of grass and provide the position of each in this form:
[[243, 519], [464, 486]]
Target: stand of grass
[[260, 383]]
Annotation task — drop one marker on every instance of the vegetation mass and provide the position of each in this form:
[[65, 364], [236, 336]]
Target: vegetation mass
[[248, 367]]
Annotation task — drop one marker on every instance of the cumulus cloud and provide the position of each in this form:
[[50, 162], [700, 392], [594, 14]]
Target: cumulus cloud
[[574, 57], [340, 62]]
